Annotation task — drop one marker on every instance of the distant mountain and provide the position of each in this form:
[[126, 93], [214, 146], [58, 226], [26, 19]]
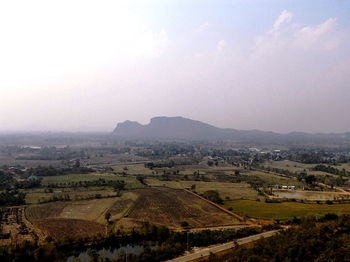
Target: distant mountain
[[184, 129], [180, 128]]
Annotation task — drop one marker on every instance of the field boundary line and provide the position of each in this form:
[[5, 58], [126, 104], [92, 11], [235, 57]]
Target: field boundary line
[[217, 205]]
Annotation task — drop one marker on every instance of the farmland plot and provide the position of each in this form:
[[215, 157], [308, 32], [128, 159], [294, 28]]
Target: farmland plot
[[171, 207]]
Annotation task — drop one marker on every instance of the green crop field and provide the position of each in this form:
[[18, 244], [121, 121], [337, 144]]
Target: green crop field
[[285, 210]]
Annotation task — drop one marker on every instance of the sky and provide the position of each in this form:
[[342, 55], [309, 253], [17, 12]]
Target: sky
[[84, 65]]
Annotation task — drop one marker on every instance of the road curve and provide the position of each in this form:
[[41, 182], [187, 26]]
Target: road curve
[[218, 248]]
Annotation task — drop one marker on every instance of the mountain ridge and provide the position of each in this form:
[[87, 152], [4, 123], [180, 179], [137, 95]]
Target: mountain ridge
[[162, 127]]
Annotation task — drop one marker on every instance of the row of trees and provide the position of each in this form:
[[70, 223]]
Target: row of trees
[[54, 171], [311, 241], [117, 184], [331, 170], [12, 198]]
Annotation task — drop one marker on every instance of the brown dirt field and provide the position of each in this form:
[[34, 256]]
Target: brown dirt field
[[120, 208], [157, 206], [169, 207], [60, 227], [13, 227], [45, 210]]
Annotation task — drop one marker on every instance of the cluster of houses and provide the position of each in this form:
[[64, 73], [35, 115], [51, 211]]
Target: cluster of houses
[[284, 187]]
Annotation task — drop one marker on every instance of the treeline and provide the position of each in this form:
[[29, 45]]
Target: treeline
[[12, 198], [116, 184], [51, 153], [53, 171], [213, 195], [7, 181], [282, 171], [160, 164], [331, 170], [169, 244], [28, 183], [318, 155], [322, 240], [164, 149]]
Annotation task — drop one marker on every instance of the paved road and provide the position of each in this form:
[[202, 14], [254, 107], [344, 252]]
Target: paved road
[[218, 248]]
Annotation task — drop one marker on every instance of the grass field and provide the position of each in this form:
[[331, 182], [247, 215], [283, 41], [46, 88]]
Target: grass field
[[134, 169], [290, 165], [295, 167], [274, 179], [92, 210], [285, 210], [36, 197], [225, 189]]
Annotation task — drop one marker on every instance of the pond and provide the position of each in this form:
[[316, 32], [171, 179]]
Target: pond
[[112, 253]]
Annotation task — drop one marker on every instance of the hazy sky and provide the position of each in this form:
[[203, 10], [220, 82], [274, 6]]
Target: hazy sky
[[86, 65]]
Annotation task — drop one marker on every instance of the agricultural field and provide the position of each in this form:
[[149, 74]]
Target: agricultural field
[[272, 179], [14, 229], [80, 193], [157, 206], [134, 169], [297, 167], [171, 207], [72, 218], [226, 190], [59, 228], [285, 210], [311, 195], [92, 210]]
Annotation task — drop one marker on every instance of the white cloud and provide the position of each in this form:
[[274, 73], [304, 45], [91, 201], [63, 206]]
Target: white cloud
[[153, 44], [222, 46], [319, 36], [203, 27], [284, 18], [285, 36]]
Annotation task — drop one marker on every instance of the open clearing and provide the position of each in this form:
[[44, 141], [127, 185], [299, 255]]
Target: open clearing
[[285, 210]]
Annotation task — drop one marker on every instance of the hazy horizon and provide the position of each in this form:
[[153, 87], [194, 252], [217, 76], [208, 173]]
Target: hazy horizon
[[34, 132], [271, 65]]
